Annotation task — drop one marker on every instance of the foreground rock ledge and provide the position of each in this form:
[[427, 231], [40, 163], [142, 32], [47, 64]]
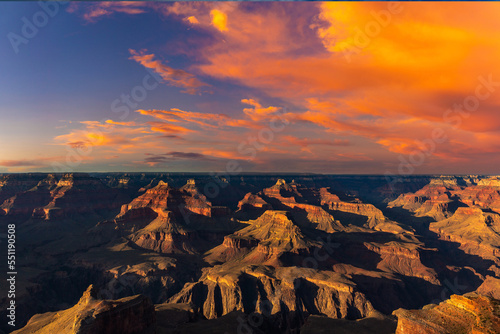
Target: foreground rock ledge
[[130, 315], [470, 313]]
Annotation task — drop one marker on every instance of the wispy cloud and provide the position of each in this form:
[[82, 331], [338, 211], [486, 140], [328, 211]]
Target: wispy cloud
[[172, 76], [21, 163], [91, 12], [155, 159]]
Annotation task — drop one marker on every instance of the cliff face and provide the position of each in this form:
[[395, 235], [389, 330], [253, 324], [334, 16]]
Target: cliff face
[[253, 201], [470, 313], [333, 202], [169, 220], [490, 287], [476, 231], [12, 184], [286, 193], [441, 197], [320, 209], [160, 198], [63, 195], [131, 315], [403, 259], [184, 201], [433, 200], [165, 235], [463, 211], [265, 241], [269, 291]]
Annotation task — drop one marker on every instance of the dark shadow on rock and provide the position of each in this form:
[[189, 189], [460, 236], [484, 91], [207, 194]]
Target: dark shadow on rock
[[387, 295]]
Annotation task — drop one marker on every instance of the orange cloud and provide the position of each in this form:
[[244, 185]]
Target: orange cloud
[[392, 90], [353, 70], [219, 19], [216, 121], [192, 20], [173, 77], [120, 135], [168, 128], [306, 142], [109, 121], [258, 113], [174, 115]]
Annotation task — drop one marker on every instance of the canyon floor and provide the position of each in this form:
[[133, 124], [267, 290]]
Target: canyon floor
[[252, 253]]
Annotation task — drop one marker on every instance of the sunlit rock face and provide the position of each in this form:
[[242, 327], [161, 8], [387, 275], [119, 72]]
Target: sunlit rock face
[[91, 315], [469, 314]]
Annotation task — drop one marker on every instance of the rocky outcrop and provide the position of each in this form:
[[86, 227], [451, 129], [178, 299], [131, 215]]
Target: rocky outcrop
[[12, 184], [486, 194], [184, 201], [490, 287], [468, 314], [165, 235], [269, 291], [131, 315], [253, 201], [315, 217], [442, 196], [476, 231], [169, 220], [433, 200], [357, 213], [333, 202], [286, 193], [320, 210], [269, 237], [63, 195], [403, 259], [159, 199]]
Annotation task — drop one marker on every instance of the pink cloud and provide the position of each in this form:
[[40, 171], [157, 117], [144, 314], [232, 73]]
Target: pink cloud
[[172, 76]]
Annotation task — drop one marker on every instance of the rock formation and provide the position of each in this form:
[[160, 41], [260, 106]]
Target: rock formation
[[269, 291], [478, 232], [131, 315], [169, 220], [468, 314], [267, 254], [62, 195]]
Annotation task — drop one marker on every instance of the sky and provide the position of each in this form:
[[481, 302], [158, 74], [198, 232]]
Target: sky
[[312, 87]]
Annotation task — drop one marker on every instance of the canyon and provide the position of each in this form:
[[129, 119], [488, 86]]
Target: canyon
[[304, 253]]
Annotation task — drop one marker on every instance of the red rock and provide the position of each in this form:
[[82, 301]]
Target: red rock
[[468, 314], [91, 315], [63, 195], [253, 201], [256, 288]]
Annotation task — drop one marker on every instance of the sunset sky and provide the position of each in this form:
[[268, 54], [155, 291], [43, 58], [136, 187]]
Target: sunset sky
[[365, 87]]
